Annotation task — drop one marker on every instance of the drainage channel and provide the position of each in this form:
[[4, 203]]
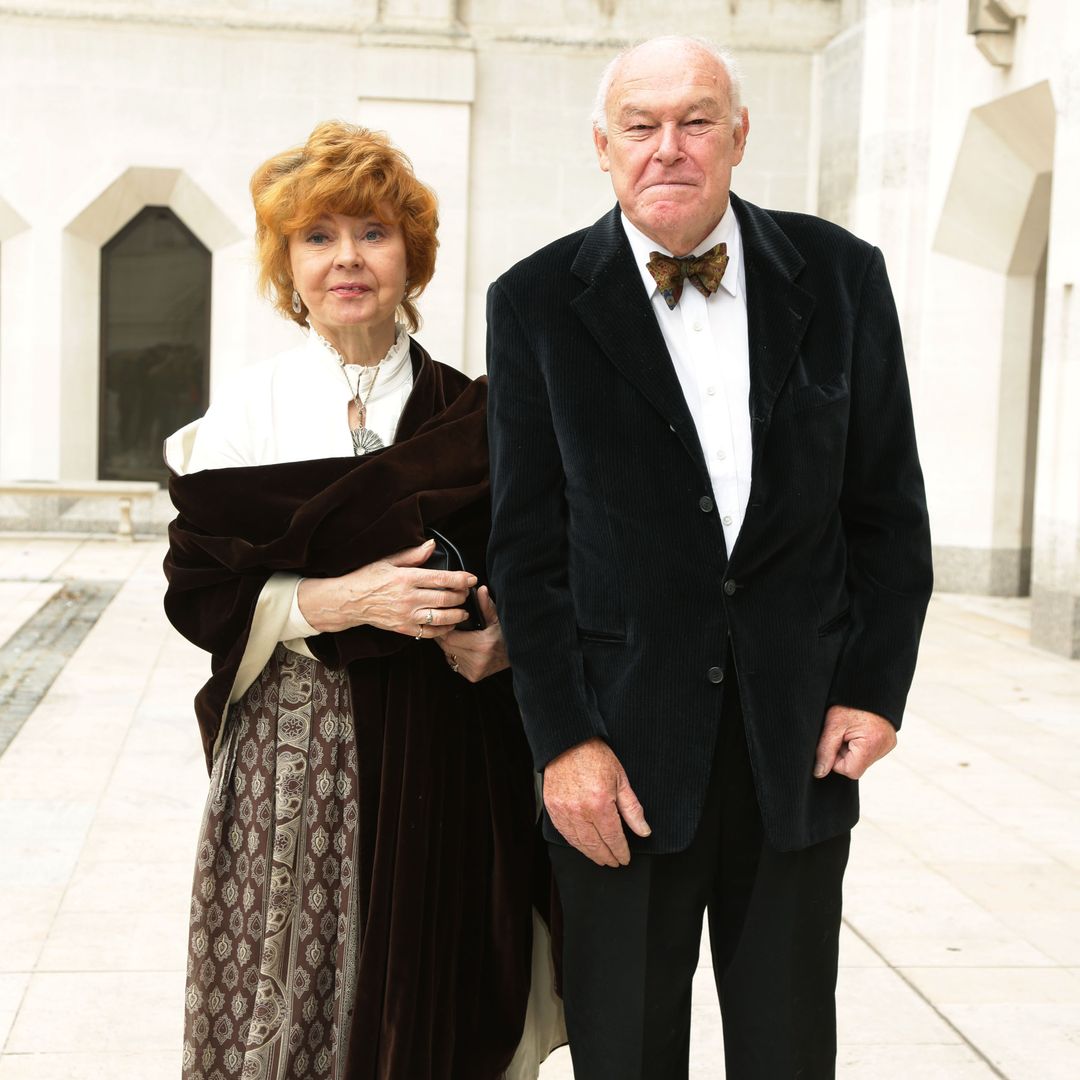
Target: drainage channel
[[36, 653]]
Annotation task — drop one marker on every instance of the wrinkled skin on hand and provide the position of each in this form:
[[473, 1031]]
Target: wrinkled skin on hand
[[588, 797], [394, 593], [851, 741]]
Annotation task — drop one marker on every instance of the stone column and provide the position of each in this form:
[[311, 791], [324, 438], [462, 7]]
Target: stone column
[[30, 317], [1055, 592]]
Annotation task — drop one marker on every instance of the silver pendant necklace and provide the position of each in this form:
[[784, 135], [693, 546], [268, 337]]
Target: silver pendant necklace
[[364, 440]]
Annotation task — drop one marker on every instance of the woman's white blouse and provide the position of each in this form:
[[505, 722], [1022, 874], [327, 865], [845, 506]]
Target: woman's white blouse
[[294, 407]]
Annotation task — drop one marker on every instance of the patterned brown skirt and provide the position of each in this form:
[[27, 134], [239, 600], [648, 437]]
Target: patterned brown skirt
[[271, 969]]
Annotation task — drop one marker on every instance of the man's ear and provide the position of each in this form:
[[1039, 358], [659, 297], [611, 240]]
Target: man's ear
[[600, 142], [741, 134]]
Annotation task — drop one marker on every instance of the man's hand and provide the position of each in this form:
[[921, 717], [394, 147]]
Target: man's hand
[[588, 796], [476, 654], [851, 741]]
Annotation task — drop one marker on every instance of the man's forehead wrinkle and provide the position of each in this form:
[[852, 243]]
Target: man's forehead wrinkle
[[629, 105], [645, 90]]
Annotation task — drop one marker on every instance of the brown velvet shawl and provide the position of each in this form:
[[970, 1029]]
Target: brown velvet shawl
[[448, 841]]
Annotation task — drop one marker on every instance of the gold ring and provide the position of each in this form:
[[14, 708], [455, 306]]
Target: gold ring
[[420, 632], [430, 617]]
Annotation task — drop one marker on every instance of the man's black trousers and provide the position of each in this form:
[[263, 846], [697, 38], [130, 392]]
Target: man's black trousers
[[633, 934]]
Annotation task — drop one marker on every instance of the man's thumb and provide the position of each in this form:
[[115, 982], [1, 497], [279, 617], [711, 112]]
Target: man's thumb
[[832, 738], [630, 809]]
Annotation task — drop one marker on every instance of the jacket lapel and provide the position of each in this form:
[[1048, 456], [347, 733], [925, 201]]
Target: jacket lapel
[[618, 314], [777, 312]]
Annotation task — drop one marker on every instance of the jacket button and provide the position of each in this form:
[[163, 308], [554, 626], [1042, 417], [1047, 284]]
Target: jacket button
[[729, 588], [705, 504], [715, 674]]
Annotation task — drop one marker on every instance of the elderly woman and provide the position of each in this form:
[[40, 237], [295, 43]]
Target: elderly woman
[[364, 893]]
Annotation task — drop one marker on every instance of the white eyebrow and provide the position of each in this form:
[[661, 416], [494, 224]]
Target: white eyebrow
[[629, 112]]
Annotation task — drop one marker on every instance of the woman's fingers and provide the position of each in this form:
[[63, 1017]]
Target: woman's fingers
[[437, 616], [439, 598], [414, 556], [456, 580]]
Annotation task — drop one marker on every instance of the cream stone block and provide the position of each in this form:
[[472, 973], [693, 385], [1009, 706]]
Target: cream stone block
[[123, 1012], [958, 401], [81, 773], [793, 24], [37, 559], [90, 1065], [874, 1007], [40, 840], [855, 952], [430, 15], [113, 941], [1025, 1021], [938, 1061], [144, 885], [26, 915], [437, 74], [12, 988], [161, 839], [30, 376]]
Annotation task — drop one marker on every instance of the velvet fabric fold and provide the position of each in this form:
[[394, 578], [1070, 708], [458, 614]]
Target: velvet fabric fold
[[447, 866]]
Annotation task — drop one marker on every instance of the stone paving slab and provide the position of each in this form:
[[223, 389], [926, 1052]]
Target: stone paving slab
[[960, 956]]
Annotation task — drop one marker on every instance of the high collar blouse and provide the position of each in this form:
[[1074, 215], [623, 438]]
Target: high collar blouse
[[295, 406]]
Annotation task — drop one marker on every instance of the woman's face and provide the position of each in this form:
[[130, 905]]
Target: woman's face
[[349, 271]]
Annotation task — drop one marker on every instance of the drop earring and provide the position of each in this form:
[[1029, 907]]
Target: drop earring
[[297, 306]]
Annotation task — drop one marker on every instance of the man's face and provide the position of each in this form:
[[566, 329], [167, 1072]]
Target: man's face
[[671, 143]]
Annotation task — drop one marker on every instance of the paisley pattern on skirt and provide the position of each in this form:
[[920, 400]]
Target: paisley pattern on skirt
[[271, 968]]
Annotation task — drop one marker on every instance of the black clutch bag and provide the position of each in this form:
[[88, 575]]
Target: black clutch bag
[[447, 557]]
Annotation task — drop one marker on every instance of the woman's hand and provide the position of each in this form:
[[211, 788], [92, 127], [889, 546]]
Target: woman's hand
[[476, 654], [393, 594]]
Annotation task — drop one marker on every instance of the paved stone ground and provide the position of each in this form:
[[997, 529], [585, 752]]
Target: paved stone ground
[[961, 949]]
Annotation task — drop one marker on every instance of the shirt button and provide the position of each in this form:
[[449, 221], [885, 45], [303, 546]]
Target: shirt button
[[705, 504], [729, 588], [710, 390], [697, 326], [727, 519], [715, 675], [721, 455]]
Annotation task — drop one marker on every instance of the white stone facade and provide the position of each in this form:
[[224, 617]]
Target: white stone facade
[[956, 153]]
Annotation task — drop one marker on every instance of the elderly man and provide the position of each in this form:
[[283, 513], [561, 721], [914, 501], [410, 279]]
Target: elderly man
[[711, 555]]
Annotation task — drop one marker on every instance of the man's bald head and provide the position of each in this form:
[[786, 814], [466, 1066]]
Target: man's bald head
[[679, 46]]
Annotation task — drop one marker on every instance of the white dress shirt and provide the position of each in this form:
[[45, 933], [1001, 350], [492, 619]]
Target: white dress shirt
[[709, 348]]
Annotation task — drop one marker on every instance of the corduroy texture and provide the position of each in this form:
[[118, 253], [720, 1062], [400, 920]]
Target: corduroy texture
[[447, 866], [607, 556]]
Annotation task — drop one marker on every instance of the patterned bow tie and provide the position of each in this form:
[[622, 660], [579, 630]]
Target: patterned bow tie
[[704, 272]]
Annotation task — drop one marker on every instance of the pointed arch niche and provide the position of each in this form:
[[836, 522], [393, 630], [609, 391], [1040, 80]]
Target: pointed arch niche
[[145, 210], [996, 219]]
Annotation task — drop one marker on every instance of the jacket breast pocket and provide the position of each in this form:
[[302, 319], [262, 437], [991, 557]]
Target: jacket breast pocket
[[601, 637], [815, 395]]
